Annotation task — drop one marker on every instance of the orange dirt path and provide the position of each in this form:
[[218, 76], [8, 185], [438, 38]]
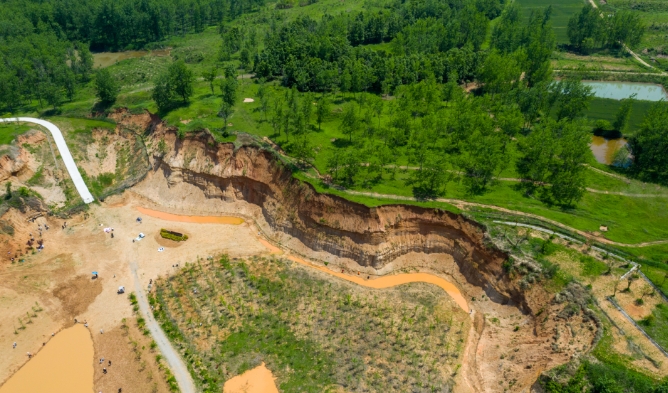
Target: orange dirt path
[[64, 365], [258, 380], [196, 219], [394, 280]]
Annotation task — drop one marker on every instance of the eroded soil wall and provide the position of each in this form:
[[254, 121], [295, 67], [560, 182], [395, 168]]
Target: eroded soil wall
[[370, 236]]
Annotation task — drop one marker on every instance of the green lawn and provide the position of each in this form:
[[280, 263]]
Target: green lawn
[[9, 131], [606, 109], [657, 324]]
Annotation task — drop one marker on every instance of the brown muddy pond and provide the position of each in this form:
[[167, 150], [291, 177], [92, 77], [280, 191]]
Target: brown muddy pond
[[258, 380], [105, 59], [64, 365], [604, 149]]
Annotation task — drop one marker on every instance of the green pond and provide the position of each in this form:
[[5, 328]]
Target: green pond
[[621, 90]]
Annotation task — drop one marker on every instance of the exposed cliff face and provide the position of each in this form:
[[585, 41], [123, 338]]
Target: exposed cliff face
[[370, 236], [194, 174]]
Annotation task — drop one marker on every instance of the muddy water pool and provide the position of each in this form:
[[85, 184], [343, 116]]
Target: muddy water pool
[[64, 365], [258, 380], [604, 149]]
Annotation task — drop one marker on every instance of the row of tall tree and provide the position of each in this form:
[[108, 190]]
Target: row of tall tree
[[117, 24], [427, 38], [590, 29], [41, 67]]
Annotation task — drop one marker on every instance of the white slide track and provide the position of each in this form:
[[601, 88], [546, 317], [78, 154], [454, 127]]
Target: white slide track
[[64, 153]]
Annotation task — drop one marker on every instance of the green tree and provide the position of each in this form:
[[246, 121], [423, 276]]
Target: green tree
[[499, 73], [570, 98], [53, 94], [650, 145], [245, 58], [482, 156], [540, 43], [181, 80], [226, 110], [623, 114], [106, 86], [322, 110], [537, 151], [228, 88], [585, 29], [568, 177], [264, 105], [552, 158], [162, 93], [625, 27], [302, 149], [350, 122], [210, 76]]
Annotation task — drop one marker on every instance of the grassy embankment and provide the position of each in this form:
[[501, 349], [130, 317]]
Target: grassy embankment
[[226, 317]]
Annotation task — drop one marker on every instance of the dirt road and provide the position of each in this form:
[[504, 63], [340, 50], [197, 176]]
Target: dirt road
[[172, 357], [64, 153]]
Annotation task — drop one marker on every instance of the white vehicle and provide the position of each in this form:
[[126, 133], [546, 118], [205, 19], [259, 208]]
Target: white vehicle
[[141, 236], [121, 289]]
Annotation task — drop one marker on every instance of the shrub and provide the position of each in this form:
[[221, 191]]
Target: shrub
[[177, 237]]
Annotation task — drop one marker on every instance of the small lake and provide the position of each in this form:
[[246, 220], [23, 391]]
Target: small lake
[[105, 59], [604, 149], [64, 365], [621, 90]]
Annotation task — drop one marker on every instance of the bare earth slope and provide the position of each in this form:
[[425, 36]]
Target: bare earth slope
[[199, 176]]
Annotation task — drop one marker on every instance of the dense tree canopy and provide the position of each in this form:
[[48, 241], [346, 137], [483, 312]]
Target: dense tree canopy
[[590, 28], [650, 145]]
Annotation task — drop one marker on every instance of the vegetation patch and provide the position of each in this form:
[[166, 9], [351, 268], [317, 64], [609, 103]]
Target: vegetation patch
[[171, 235], [312, 331]]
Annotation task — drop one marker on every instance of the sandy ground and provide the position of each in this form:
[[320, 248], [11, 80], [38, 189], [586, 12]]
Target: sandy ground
[[58, 283]]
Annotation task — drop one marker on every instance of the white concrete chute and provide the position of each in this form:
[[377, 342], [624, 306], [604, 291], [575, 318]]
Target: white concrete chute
[[64, 153]]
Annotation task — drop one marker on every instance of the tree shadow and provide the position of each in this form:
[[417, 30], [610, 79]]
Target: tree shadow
[[342, 143], [51, 112], [423, 193], [100, 107]]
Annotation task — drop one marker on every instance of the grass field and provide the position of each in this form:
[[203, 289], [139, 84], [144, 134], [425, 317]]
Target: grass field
[[312, 331], [562, 10], [655, 325], [9, 131], [606, 109]]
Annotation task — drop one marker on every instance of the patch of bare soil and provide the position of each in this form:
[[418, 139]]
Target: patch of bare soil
[[77, 294], [133, 366]]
